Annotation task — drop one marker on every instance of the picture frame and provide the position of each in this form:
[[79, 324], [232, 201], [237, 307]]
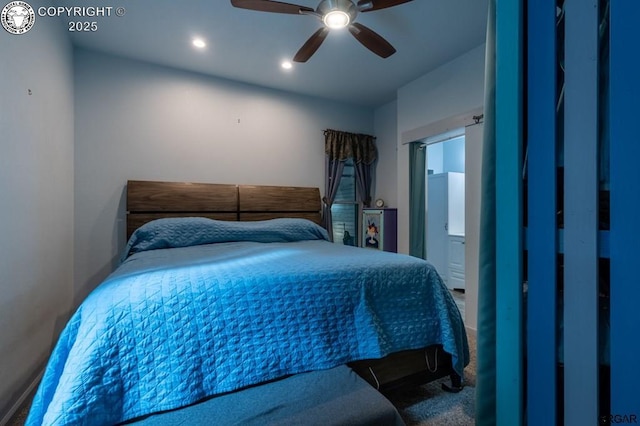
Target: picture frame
[[372, 225]]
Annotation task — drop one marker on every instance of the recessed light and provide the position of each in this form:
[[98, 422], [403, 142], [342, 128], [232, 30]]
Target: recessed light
[[199, 43], [286, 65]]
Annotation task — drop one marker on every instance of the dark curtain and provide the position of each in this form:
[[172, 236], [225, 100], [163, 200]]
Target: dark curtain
[[417, 164], [339, 147], [363, 180], [486, 347]]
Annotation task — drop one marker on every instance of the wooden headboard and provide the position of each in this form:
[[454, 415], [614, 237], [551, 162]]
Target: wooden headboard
[[149, 200]]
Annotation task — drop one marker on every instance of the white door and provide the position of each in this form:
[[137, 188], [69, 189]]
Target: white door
[[473, 191], [437, 234]]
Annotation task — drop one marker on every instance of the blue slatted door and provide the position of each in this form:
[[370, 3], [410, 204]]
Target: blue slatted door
[[625, 204], [581, 213], [509, 118], [541, 213]]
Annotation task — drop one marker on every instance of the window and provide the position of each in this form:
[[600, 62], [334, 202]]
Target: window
[[345, 209]]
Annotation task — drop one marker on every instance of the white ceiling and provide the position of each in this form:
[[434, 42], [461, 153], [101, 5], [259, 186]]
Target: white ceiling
[[248, 46]]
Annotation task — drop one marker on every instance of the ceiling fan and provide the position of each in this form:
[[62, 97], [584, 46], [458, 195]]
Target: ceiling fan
[[334, 14]]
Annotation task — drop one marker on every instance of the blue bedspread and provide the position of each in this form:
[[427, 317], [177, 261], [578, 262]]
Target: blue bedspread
[[200, 307]]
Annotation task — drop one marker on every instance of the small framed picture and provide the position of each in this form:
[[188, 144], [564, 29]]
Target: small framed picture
[[372, 229]]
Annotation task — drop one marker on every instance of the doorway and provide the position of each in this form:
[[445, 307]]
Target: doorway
[[445, 206], [468, 248]]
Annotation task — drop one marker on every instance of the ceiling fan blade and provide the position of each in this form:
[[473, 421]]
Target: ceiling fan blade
[[271, 6], [311, 45], [370, 5], [371, 40]]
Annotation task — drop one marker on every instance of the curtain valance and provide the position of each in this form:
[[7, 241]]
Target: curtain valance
[[344, 145]]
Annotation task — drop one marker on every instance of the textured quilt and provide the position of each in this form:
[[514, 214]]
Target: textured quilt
[[200, 307]]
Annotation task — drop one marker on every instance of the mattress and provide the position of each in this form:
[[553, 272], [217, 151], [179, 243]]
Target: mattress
[[200, 307]]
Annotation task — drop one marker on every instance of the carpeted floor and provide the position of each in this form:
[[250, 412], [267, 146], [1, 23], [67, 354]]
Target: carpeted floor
[[429, 405]]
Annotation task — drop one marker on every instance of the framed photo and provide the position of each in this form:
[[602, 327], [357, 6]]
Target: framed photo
[[372, 223]]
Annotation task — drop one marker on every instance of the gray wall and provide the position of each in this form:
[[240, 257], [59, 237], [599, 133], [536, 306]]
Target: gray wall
[[446, 156], [140, 121], [386, 128], [450, 90], [453, 155], [36, 189]]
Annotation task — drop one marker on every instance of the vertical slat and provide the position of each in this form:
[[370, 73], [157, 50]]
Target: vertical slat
[[541, 241], [625, 204], [580, 218], [509, 105]]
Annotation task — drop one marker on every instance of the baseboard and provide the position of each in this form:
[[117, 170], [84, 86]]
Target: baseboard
[[18, 404]]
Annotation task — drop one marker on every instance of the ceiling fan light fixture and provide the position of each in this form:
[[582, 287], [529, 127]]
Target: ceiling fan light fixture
[[334, 14], [336, 19]]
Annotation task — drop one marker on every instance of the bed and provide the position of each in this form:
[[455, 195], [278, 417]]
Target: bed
[[223, 288]]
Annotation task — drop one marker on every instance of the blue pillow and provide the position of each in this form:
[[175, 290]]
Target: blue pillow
[[191, 231]]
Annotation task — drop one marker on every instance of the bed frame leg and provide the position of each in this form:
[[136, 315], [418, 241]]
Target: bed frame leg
[[456, 384]]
